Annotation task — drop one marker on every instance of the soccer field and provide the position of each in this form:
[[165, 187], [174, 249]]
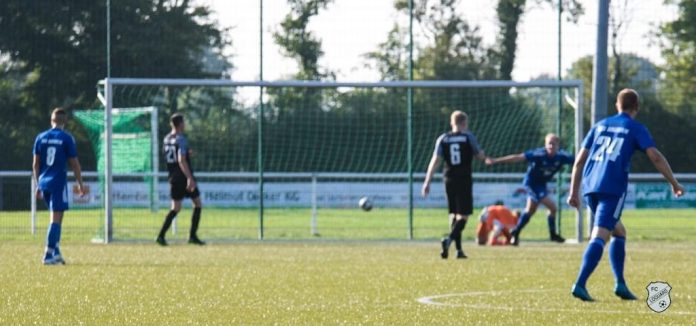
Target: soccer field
[[346, 282], [334, 283], [232, 224]]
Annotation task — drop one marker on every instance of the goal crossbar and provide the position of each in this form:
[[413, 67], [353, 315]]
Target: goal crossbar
[[325, 84]]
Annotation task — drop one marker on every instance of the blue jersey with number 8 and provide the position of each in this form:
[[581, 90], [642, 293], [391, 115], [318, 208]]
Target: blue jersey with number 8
[[611, 143], [54, 147]]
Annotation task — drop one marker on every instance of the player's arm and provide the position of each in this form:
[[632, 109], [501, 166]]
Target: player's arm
[[183, 165], [481, 156], [478, 152], [661, 164], [77, 170], [434, 163], [576, 177], [512, 158], [36, 169]]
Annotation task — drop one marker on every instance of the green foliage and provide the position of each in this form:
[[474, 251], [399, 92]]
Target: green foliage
[[679, 49], [57, 53], [656, 114], [19, 125], [391, 56], [456, 51], [297, 41], [509, 13]]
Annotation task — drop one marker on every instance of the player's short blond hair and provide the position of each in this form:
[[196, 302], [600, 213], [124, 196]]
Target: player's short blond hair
[[458, 118], [59, 116], [628, 100], [551, 136]]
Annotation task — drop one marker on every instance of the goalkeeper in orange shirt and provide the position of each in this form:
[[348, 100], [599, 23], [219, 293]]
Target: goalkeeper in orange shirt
[[496, 221]]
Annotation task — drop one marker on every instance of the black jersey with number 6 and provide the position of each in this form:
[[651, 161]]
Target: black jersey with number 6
[[458, 150], [175, 145]]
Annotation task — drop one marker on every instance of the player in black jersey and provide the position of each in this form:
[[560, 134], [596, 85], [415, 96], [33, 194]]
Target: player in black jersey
[[457, 149], [181, 181]]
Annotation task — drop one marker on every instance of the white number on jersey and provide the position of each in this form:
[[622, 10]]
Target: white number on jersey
[[50, 155], [455, 154], [170, 153], [608, 146]]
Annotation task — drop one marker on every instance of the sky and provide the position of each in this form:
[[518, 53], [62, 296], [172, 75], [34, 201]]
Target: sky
[[350, 28]]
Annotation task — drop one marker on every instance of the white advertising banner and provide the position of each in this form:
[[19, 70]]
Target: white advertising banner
[[299, 194]]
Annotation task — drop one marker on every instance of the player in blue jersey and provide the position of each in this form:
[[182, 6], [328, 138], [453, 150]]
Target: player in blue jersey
[[457, 149], [602, 166], [543, 163], [53, 150], [182, 182]]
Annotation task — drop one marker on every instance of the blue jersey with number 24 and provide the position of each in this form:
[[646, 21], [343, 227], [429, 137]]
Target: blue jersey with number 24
[[611, 143], [54, 147]]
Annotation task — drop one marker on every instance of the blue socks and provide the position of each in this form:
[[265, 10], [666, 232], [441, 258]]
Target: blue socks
[[53, 236], [593, 253], [551, 220], [524, 219], [617, 255]]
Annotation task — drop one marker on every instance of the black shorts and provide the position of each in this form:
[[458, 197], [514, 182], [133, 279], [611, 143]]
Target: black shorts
[[178, 191], [460, 199]]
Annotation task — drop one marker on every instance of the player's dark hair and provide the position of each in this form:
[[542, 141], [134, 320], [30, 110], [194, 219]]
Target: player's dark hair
[[59, 116], [176, 120], [628, 99]]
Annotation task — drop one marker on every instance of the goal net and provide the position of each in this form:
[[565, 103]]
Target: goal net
[[313, 149]]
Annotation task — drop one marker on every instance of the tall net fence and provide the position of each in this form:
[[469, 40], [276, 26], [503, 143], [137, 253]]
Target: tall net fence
[[325, 146], [320, 149]]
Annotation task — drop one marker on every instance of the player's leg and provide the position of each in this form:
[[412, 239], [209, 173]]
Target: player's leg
[[450, 195], [551, 219], [195, 218], [175, 208], [456, 233], [617, 257], [177, 192], [482, 233], [496, 233], [464, 201], [529, 210], [602, 207], [168, 219], [506, 233], [57, 204]]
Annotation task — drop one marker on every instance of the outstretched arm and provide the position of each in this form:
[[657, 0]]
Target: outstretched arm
[[576, 178], [481, 156], [434, 163], [661, 164], [513, 158]]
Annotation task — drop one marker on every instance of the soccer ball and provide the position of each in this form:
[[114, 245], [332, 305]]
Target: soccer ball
[[365, 203]]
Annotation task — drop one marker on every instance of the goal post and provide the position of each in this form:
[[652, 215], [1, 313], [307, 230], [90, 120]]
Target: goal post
[[326, 143]]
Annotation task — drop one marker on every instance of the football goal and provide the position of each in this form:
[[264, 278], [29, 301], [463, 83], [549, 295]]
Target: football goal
[[291, 159]]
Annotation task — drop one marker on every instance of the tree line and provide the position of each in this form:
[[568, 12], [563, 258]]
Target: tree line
[[52, 53]]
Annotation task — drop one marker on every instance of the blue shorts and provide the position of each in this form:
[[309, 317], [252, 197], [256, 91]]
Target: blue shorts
[[606, 209], [56, 201], [537, 192]]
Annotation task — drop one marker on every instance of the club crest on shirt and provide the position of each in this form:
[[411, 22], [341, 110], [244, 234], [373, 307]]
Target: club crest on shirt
[[658, 296]]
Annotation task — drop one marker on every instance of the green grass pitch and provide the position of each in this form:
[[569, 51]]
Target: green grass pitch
[[292, 279]]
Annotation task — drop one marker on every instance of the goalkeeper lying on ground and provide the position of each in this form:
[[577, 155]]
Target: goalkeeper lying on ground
[[496, 221]]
